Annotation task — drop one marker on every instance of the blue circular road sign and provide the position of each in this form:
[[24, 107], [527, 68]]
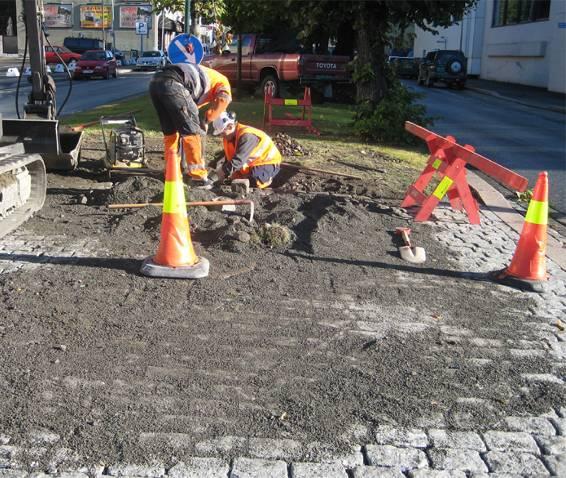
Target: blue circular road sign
[[185, 48]]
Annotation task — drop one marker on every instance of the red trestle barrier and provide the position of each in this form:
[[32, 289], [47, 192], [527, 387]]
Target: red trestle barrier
[[304, 121], [448, 159]]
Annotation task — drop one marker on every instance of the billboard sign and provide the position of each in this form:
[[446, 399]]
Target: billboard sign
[[58, 15], [130, 14], [93, 16]]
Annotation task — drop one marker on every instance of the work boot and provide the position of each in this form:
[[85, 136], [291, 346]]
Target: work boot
[[201, 183]]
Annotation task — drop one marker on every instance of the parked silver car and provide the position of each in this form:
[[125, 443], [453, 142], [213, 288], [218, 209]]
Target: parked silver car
[[151, 60]]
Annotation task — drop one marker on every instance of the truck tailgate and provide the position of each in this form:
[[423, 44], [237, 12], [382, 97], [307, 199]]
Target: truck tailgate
[[324, 67]]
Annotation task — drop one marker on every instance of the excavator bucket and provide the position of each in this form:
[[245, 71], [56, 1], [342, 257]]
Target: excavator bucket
[[23, 184], [59, 150]]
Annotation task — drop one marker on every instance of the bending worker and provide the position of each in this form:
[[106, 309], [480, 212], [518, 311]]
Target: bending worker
[[177, 92], [249, 152]]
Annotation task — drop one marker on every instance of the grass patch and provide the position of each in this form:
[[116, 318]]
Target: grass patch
[[336, 148]]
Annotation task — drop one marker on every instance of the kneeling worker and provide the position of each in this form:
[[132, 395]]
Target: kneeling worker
[[249, 152], [177, 92]]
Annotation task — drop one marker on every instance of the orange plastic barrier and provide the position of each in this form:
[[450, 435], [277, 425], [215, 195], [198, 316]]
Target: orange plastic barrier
[[448, 159]]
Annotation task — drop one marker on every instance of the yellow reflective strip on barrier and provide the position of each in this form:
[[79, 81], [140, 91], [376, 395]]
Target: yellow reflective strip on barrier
[[443, 187], [174, 198], [437, 164], [291, 102], [537, 212]]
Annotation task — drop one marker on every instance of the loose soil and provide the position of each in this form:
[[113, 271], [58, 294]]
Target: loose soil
[[308, 340]]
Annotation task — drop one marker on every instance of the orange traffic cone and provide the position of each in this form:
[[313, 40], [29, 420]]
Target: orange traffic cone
[[175, 256], [528, 266]]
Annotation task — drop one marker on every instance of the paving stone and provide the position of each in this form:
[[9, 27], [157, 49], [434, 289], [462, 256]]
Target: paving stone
[[220, 445], [533, 425], [554, 445], [457, 459], [404, 459], [72, 474], [348, 459], [318, 470], [256, 468], [272, 449], [403, 437], [200, 467], [13, 474], [515, 463], [376, 472], [451, 439], [121, 469], [516, 441], [437, 474], [556, 464]]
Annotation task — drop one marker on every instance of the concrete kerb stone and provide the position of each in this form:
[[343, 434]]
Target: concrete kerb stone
[[482, 91]]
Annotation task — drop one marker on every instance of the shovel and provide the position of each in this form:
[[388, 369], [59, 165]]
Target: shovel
[[415, 255]]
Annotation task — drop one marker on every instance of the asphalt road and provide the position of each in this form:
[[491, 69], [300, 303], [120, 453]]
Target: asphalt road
[[85, 95], [526, 140]]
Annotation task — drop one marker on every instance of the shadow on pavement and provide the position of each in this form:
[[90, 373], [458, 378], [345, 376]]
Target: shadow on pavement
[[477, 276], [117, 263]]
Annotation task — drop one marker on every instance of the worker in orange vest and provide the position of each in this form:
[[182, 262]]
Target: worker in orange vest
[[177, 92], [249, 152]]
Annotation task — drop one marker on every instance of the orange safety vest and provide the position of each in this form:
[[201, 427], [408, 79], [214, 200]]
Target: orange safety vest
[[218, 85], [264, 153]]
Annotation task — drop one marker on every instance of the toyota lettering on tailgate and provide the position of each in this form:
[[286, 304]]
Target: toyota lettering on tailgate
[[326, 66]]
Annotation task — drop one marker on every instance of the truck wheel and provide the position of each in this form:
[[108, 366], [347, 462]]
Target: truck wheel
[[270, 81]]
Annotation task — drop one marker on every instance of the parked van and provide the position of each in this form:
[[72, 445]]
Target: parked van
[[80, 45]]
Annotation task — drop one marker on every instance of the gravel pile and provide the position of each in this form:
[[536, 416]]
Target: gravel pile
[[288, 146]]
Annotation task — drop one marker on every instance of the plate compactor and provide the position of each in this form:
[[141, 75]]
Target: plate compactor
[[124, 143], [29, 144]]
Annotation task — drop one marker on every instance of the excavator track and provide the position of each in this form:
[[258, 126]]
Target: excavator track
[[23, 185]]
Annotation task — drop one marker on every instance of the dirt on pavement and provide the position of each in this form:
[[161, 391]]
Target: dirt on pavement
[[313, 339]]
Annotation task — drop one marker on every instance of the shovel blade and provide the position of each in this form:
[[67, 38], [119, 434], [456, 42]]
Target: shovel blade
[[415, 255]]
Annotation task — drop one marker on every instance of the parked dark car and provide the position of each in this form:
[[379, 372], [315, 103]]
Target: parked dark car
[[405, 66], [96, 63], [447, 66], [80, 45]]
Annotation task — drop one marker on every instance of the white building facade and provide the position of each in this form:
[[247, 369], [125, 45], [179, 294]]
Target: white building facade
[[513, 41]]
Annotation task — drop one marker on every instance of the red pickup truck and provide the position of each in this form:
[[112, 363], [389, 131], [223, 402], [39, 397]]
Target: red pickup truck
[[266, 62]]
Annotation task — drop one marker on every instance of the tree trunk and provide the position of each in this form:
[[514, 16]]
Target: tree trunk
[[371, 84]]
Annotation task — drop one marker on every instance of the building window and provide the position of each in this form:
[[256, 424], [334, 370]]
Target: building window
[[513, 12]]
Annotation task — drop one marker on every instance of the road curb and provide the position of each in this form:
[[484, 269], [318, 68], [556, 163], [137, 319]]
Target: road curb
[[497, 204], [555, 109]]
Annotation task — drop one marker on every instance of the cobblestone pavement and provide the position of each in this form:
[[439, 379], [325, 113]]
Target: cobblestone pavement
[[518, 446]]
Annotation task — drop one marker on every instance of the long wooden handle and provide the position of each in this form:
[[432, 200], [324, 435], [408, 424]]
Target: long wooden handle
[[226, 202], [320, 171]]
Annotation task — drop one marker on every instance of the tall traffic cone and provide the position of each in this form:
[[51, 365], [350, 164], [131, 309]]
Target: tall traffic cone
[[175, 256], [528, 267]]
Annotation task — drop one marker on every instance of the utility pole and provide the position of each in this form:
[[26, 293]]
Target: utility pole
[[187, 16]]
